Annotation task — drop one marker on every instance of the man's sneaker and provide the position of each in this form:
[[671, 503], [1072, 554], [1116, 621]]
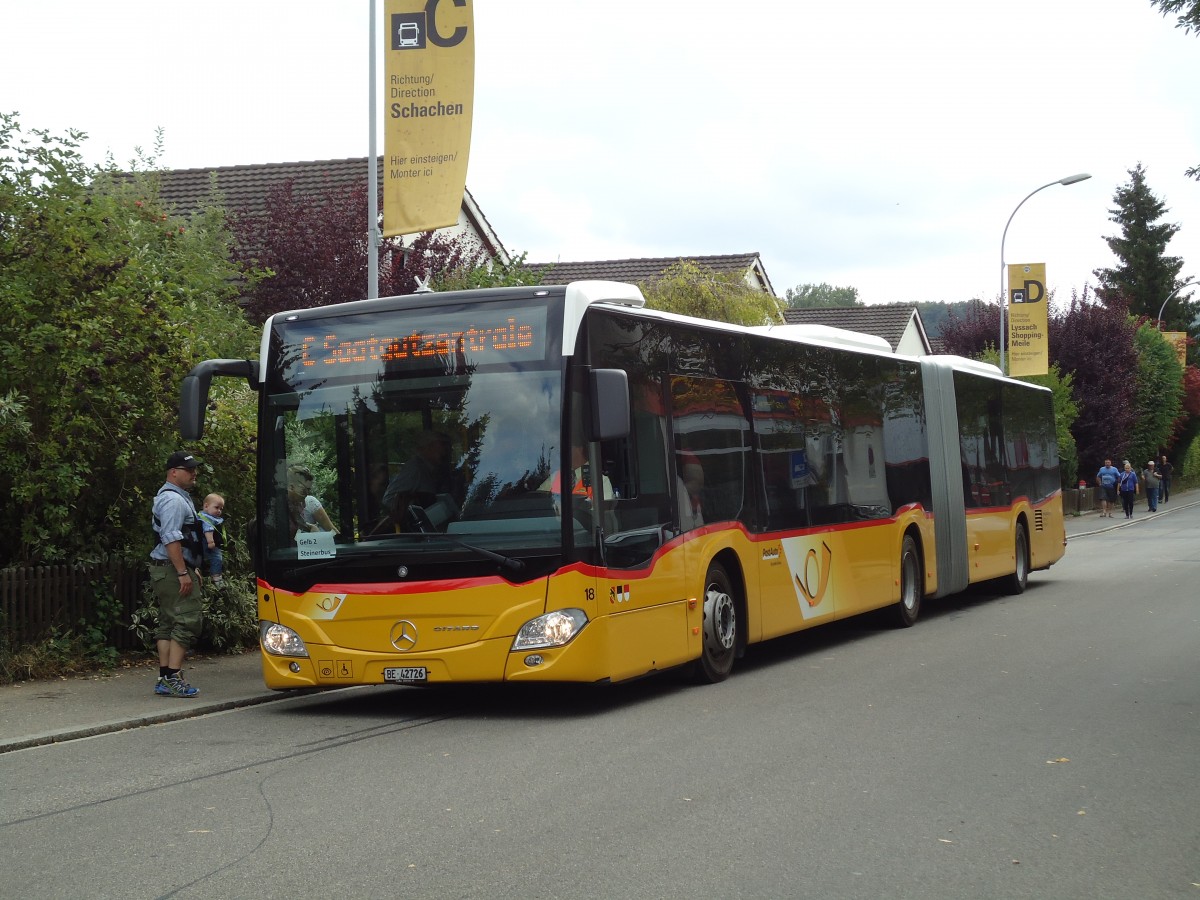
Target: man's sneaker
[[174, 686]]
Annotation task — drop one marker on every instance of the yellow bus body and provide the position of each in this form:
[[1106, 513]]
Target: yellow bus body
[[639, 622]]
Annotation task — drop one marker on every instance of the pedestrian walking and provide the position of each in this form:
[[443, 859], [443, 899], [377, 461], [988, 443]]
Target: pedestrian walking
[[174, 574], [1151, 481], [1164, 470], [1128, 487], [1106, 480]]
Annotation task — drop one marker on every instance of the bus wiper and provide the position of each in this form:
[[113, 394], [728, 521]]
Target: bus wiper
[[515, 566]]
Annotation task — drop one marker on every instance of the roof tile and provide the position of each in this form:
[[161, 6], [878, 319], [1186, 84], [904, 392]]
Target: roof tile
[[638, 270], [887, 322]]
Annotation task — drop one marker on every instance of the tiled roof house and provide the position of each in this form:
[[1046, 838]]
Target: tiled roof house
[[899, 325], [640, 271], [245, 188]]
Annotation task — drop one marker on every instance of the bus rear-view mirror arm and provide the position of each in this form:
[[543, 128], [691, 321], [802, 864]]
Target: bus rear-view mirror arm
[[193, 393]]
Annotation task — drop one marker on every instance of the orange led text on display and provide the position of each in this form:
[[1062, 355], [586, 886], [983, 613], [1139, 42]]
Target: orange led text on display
[[331, 351]]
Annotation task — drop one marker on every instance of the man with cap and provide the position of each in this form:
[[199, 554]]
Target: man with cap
[[1151, 479], [174, 576]]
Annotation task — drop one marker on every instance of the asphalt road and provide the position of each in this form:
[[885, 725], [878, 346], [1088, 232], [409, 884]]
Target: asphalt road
[[1042, 746]]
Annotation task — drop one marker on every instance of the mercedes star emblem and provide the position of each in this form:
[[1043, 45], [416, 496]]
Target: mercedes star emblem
[[404, 635]]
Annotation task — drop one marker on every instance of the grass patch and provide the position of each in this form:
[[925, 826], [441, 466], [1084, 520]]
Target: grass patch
[[59, 655]]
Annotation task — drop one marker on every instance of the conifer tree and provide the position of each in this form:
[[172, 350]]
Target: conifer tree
[[1145, 276]]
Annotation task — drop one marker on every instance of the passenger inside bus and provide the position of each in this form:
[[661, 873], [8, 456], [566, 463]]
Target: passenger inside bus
[[305, 511]]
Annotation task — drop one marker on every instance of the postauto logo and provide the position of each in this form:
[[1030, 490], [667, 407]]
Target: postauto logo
[[810, 569]]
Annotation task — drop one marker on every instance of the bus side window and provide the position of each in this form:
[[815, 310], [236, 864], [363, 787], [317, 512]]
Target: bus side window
[[642, 508], [711, 427], [618, 463]]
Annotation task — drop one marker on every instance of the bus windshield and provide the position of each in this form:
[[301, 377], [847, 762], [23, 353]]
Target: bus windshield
[[432, 445]]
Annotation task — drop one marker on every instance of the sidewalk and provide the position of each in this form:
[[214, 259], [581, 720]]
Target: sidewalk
[[1091, 523], [34, 713]]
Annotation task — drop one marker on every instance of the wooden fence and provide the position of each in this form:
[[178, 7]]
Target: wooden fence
[[37, 601]]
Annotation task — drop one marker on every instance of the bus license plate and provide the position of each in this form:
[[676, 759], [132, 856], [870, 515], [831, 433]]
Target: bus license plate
[[406, 675]]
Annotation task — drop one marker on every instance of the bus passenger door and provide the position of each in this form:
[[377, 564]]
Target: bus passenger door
[[646, 580]]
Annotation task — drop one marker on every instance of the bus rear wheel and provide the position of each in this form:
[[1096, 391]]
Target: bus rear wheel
[[1016, 582], [909, 606], [721, 627]]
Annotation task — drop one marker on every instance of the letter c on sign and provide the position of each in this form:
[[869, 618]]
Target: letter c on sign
[[460, 33]]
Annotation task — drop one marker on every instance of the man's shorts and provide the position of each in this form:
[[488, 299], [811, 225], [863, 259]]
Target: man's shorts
[[1109, 494], [179, 618]]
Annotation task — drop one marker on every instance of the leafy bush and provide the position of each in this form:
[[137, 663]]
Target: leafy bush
[[694, 290], [230, 615], [108, 301]]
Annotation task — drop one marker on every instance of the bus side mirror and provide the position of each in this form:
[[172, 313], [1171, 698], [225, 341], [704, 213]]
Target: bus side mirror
[[610, 404], [193, 393]]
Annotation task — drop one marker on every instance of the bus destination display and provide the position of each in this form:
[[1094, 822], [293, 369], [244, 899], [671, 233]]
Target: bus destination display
[[365, 344]]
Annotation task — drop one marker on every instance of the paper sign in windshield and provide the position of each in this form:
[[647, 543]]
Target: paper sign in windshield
[[315, 545]]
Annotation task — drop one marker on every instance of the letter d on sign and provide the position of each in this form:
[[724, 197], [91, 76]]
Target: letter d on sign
[[1028, 334]]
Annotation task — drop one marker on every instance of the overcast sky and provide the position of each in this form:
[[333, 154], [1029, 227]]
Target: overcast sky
[[879, 144]]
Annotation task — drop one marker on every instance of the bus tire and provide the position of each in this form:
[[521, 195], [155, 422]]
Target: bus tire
[[721, 627], [909, 606], [1016, 582]]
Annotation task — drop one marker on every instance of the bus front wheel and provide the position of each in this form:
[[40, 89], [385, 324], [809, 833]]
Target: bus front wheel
[[1016, 582], [720, 629], [909, 606]]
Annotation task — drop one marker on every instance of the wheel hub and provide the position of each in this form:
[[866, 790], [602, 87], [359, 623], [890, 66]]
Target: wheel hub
[[720, 617]]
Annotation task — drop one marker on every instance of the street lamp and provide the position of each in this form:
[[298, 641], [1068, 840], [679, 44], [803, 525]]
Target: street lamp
[[1070, 179], [1162, 308]]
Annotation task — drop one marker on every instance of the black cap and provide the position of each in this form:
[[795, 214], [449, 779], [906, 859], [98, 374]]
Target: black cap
[[181, 460]]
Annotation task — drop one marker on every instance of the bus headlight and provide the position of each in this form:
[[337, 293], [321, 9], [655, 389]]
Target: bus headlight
[[551, 630], [279, 640]]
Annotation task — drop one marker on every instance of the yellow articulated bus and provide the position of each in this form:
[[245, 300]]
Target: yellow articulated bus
[[557, 484]]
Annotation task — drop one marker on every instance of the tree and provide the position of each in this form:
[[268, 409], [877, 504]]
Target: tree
[[809, 296], [311, 250], [1145, 275], [972, 330], [1191, 393], [693, 290], [1188, 19], [934, 313], [1188, 10], [1095, 344], [107, 302], [1159, 397]]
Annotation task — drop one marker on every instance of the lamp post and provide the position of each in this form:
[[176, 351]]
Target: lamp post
[[372, 169], [1070, 179], [1163, 308]]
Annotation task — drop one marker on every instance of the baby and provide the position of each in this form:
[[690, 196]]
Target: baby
[[212, 522]]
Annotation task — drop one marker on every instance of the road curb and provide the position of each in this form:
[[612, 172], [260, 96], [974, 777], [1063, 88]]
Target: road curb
[[1125, 523], [140, 721]]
